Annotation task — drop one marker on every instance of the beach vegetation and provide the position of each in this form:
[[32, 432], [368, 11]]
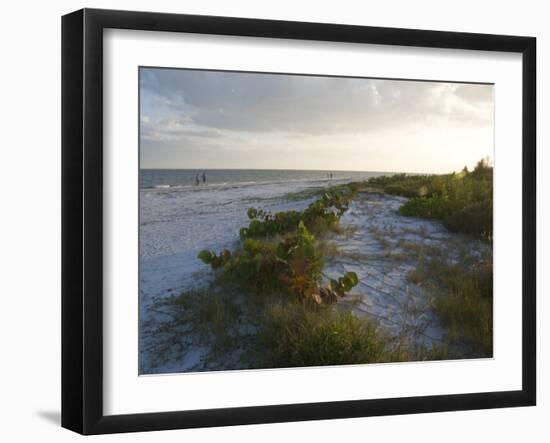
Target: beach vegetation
[[287, 332], [290, 303], [462, 201], [298, 334], [463, 299], [320, 216], [279, 252]]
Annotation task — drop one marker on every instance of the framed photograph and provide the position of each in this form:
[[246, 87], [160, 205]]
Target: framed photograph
[[269, 221]]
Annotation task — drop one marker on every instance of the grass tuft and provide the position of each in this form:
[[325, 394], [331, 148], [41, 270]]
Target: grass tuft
[[463, 298], [296, 334]]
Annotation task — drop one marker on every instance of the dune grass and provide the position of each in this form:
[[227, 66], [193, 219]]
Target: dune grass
[[212, 313], [463, 299], [279, 332], [298, 334], [462, 201]]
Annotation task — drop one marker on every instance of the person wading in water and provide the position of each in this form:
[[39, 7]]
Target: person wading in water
[[203, 177]]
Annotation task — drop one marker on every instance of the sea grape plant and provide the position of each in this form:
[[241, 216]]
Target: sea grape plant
[[291, 263], [320, 215]]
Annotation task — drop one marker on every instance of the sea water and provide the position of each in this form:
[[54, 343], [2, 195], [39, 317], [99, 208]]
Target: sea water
[[187, 178]]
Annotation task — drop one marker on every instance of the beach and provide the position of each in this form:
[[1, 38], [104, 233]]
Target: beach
[[178, 220]]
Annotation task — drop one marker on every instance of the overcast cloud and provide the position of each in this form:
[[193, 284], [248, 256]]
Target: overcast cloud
[[208, 119]]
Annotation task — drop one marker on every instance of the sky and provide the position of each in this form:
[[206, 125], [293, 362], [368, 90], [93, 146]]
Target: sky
[[193, 119]]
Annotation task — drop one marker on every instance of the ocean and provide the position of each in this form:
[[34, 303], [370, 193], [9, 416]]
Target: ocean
[[186, 178]]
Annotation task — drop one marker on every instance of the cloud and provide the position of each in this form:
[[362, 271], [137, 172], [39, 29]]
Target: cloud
[[305, 104], [214, 115], [174, 129], [474, 93]]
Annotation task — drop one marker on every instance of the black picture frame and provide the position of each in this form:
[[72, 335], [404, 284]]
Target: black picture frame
[[82, 218]]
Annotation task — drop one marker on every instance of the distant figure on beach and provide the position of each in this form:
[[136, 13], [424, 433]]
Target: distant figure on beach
[[197, 181], [204, 177], [330, 175]]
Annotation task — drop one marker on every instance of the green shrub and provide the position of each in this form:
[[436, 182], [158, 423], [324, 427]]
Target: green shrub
[[462, 201], [280, 253], [431, 207], [401, 190], [292, 265], [475, 219], [320, 216]]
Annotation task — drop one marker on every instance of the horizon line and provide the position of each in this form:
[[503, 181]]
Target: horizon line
[[282, 169]]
